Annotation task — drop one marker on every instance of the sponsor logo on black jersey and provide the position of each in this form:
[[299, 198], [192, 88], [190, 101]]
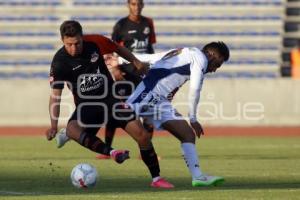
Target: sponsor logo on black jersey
[[91, 82], [77, 67], [131, 31], [121, 92], [139, 46], [146, 30]]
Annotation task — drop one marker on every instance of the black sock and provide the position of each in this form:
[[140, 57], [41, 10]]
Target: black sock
[[150, 159], [94, 143], [108, 141], [109, 136], [110, 132]]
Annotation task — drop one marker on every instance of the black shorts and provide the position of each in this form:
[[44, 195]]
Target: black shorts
[[93, 116], [112, 124]]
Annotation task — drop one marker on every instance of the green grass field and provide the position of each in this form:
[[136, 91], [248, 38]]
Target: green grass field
[[254, 168]]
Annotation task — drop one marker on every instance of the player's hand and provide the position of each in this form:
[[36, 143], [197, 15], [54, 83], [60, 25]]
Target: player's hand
[[112, 64], [197, 128], [111, 61], [142, 67], [50, 133], [117, 74]]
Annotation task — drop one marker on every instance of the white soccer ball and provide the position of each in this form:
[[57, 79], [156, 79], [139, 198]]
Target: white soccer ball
[[84, 175]]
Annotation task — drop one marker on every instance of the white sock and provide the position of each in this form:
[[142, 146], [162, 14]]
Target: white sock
[[156, 178], [191, 159], [111, 152]]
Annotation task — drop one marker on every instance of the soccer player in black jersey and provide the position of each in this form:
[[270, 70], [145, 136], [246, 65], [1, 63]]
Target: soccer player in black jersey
[[136, 33], [81, 65]]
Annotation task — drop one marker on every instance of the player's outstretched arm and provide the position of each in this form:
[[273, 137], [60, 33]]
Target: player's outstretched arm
[[127, 55], [54, 110]]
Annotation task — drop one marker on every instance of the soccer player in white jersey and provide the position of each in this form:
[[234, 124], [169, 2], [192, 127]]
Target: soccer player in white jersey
[[152, 97]]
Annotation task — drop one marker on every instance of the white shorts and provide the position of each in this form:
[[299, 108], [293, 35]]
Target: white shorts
[[155, 110]]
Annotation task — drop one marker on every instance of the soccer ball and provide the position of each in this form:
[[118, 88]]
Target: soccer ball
[[84, 175]]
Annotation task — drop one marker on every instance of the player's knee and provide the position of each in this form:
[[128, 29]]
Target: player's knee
[[144, 139], [188, 138], [72, 130], [148, 127]]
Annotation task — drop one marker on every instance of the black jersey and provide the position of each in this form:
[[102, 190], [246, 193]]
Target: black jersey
[[125, 88], [137, 37], [86, 74]]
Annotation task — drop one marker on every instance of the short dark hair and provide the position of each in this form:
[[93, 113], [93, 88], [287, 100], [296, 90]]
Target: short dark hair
[[70, 28], [128, 1], [221, 47]]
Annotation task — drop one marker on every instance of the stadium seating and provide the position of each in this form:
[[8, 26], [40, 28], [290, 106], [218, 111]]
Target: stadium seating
[[292, 34], [253, 29]]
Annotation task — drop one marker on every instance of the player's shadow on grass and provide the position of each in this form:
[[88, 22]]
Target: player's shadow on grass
[[251, 156], [261, 183], [140, 185], [56, 185], [30, 185]]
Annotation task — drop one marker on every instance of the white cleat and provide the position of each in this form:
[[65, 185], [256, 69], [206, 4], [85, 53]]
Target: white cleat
[[61, 138]]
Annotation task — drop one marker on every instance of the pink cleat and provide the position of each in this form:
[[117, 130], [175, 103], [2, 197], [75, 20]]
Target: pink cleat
[[120, 155], [102, 157], [162, 183]]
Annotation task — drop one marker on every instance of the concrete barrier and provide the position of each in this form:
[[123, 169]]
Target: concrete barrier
[[226, 102], [248, 102]]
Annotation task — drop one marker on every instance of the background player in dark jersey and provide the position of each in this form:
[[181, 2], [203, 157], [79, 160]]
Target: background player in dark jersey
[[136, 33], [81, 65]]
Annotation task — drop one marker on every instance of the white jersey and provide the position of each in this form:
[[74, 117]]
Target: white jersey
[[148, 58], [169, 71]]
